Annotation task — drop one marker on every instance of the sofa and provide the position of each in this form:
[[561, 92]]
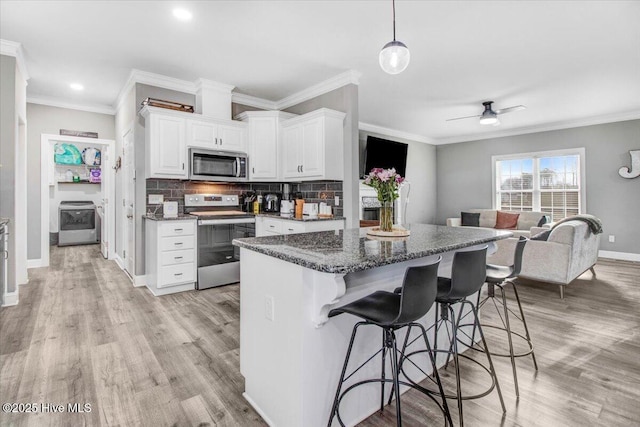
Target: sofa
[[571, 249]]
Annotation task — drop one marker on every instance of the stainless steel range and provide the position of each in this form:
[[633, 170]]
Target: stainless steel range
[[220, 220]]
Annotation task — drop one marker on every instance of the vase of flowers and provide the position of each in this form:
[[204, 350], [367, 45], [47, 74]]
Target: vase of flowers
[[386, 182]]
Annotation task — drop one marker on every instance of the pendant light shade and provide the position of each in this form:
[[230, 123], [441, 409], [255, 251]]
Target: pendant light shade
[[394, 56]]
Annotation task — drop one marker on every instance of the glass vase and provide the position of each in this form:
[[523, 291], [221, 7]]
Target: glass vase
[[386, 216]]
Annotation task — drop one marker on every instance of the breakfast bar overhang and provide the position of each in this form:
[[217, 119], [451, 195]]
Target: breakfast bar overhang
[[291, 354]]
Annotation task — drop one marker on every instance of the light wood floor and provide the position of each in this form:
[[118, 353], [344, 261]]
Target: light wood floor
[[83, 334]]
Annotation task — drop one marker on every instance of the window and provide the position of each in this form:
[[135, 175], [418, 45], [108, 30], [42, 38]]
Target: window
[[550, 182]]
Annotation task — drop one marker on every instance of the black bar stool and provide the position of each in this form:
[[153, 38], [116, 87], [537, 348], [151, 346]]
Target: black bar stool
[[499, 277], [467, 277], [391, 311]]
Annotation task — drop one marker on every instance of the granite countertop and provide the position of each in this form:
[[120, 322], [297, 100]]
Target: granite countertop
[[153, 217], [304, 218], [352, 250]]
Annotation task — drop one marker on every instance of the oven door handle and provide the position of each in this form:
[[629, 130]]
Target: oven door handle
[[226, 221], [237, 167]]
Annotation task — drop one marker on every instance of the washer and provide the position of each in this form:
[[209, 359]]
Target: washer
[[78, 223]]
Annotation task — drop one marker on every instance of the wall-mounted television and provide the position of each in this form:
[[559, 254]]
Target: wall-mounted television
[[382, 153]]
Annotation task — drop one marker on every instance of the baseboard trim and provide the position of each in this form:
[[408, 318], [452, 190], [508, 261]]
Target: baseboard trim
[[258, 409], [10, 299], [35, 263], [623, 256], [139, 281], [119, 261]]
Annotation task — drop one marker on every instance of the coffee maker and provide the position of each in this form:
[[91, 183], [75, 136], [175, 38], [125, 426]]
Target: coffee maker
[[272, 202]]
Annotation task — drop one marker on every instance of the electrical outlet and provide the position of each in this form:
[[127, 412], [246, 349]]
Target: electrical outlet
[[268, 307], [337, 200], [612, 238], [156, 199]]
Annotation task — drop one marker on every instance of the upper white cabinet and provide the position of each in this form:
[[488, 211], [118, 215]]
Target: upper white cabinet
[[312, 146], [165, 146], [169, 134], [263, 143], [216, 136]]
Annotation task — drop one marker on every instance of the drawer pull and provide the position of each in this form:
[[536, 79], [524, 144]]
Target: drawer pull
[[272, 226], [178, 243], [177, 257], [177, 274], [178, 230], [290, 229]]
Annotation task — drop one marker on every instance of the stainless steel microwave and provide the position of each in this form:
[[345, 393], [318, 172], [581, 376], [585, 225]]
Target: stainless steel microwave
[[210, 165]]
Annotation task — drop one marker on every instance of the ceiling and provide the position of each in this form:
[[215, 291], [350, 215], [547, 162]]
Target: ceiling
[[572, 62]]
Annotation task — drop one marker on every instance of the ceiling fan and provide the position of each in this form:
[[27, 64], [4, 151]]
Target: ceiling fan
[[490, 116]]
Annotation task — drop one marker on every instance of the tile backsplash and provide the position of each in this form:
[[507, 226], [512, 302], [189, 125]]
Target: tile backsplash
[[174, 190]]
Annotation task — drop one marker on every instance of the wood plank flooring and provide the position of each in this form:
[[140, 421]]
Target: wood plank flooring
[[83, 334]]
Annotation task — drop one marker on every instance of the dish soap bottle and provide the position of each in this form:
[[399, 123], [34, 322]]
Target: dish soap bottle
[[69, 175], [257, 205]]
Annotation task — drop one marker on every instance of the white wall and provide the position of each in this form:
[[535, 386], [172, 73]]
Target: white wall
[[49, 120]]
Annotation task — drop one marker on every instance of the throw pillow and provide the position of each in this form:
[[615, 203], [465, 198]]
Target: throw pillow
[[506, 221], [470, 219], [543, 220], [543, 235]]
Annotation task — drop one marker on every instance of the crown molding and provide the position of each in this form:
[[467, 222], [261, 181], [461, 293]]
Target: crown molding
[[153, 79], [343, 79], [9, 48], [253, 101], [565, 124], [102, 109], [210, 84], [394, 133]]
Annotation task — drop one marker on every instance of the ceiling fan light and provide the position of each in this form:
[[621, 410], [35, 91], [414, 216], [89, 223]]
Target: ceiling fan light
[[394, 57], [489, 119]]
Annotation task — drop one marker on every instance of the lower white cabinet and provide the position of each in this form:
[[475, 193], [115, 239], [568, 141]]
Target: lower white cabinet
[[170, 256], [273, 226]]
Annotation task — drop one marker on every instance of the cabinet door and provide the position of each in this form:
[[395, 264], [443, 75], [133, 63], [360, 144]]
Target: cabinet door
[[168, 147], [201, 134], [292, 151], [231, 138], [313, 148], [263, 159]]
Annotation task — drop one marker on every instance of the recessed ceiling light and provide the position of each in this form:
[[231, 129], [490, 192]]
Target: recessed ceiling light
[[76, 86], [182, 14]]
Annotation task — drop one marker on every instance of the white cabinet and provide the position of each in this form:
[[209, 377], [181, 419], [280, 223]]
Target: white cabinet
[[270, 226], [165, 146], [170, 256], [312, 146], [263, 143], [169, 134], [216, 136]]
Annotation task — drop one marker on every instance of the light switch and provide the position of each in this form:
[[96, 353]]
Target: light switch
[[156, 199]]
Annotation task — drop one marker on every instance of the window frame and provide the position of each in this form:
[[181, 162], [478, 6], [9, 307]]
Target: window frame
[[536, 156]]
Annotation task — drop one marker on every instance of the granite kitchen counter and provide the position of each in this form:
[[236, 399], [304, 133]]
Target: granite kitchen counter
[[353, 250], [305, 218], [180, 217]]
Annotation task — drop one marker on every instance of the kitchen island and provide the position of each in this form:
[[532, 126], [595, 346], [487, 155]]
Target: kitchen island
[[291, 354]]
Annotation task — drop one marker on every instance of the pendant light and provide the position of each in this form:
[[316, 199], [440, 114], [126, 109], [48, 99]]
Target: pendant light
[[394, 56]]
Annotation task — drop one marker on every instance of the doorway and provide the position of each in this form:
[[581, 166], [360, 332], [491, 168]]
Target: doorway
[[51, 178], [128, 202]]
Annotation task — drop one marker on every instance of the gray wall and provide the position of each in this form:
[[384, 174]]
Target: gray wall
[[421, 175], [143, 92], [343, 99], [464, 175], [7, 158], [45, 119]]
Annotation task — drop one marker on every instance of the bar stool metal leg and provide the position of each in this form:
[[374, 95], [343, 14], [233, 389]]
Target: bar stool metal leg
[[511, 356], [344, 371], [457, 362], [524, 323]]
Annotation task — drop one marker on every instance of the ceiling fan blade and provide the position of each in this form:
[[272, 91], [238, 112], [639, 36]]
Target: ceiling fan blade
[[510, 109], [460, 118]]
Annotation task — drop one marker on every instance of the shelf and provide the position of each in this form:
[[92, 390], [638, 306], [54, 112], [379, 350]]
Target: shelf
[[77, 166], [78, 182]]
